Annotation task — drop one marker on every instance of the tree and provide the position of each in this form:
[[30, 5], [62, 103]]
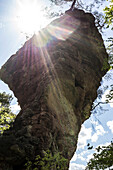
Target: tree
[[109, 14], [102, 159], [79, 3], [92, 7], [6, 116], [109, 21], [47, 162], [73, 4]]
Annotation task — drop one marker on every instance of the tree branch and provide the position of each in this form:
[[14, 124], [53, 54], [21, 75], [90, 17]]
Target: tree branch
[[99, 104], [73, 4]]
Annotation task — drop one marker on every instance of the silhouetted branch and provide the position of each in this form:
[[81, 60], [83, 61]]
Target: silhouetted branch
[[100, 103], [73, 4]]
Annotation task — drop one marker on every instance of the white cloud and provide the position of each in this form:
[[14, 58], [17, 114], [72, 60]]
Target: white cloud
[[89, 157], [94, 122], [79, 156], [109, 168], [74, 157], [99, 132], [1, 25], [94, 137], [84, 152], [74, 166], [84, 135], [105, 144], [110, 125], [15, 108]]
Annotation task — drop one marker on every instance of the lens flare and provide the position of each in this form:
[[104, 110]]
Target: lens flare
[[30, 17]]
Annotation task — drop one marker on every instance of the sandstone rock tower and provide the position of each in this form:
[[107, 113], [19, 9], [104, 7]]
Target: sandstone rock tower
[[55, 76]]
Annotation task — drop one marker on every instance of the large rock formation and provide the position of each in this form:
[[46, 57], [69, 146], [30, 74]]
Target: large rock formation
[[55, 76]]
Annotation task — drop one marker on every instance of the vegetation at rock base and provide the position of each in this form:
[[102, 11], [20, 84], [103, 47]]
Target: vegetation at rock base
[[47, 162], [6, 116]]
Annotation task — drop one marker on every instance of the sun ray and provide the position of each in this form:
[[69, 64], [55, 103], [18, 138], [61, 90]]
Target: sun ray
[[30, 17], [56, 89]]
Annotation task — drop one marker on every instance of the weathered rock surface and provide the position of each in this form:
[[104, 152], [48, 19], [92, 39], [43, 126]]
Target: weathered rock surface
[[55, 76]]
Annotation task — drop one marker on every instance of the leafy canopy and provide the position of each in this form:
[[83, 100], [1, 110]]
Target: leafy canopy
[[102, 159], [47, 162], [109, 14], [6, 116]]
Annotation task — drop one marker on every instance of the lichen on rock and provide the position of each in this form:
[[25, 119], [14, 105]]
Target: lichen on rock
[[55, 76]]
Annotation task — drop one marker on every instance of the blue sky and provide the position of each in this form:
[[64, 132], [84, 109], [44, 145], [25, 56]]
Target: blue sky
[[98, 130], [10, 37]]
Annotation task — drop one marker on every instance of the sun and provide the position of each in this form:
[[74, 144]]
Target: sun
[[30, 17]]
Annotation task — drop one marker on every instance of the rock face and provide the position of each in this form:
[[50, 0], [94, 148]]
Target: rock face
[[55, 76]]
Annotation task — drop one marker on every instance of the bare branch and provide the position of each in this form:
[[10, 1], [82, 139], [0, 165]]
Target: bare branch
[[73, 4], [99, 104]]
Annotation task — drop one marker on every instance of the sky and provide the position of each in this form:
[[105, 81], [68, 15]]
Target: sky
[[98, 129]]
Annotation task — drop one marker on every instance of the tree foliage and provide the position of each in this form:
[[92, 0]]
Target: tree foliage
[[6, 116], [90, 6], [102, 159], [109, 22], [47, 162], [109, 14]]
